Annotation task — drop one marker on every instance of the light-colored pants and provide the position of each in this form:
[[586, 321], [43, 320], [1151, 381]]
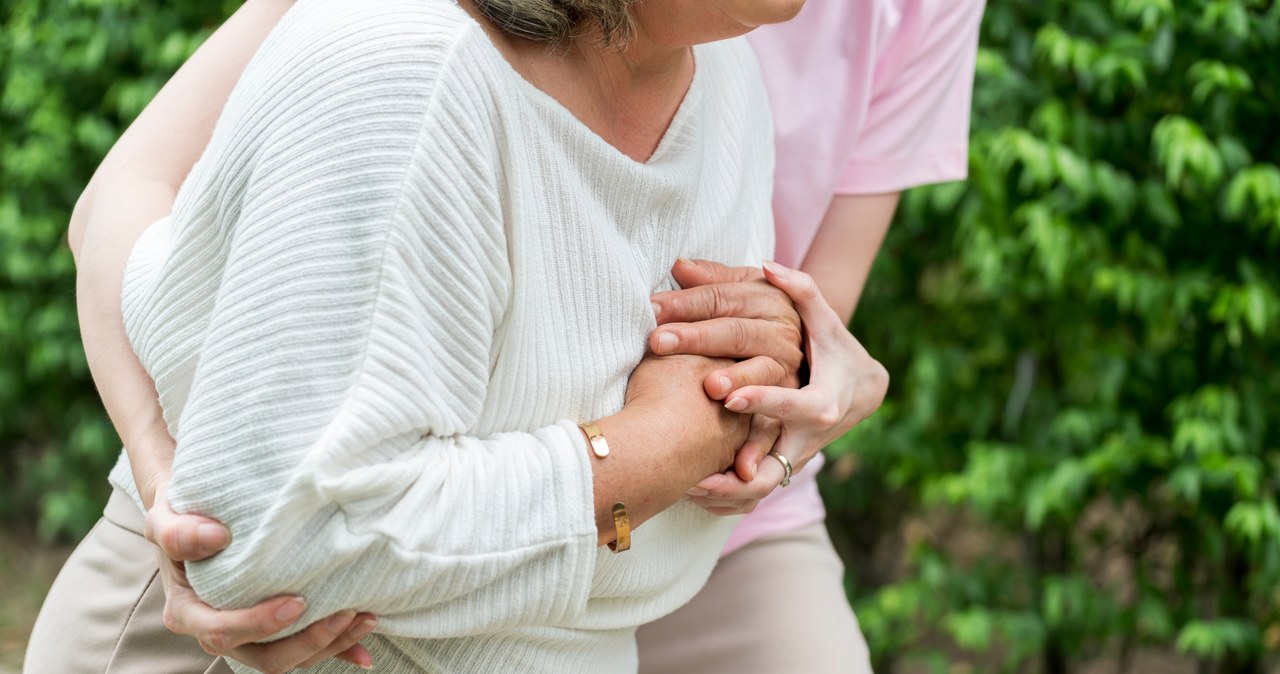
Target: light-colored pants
[[105, 612], [775, 605]]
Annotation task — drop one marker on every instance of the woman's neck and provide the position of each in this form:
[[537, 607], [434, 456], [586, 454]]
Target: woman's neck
[[627, 96]]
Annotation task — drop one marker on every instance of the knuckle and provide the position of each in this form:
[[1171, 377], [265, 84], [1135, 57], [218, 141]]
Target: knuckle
[[171, 621], [829, 415], [715, 300], [691, 338], [805, 286], [739, 339], [218, 637], [786, 309], [169, 538], [269, 664], [791, 334], [880, 378], [785, 407], [776, 373], [317, 640]]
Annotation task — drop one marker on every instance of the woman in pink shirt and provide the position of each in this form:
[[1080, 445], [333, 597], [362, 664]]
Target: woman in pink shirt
[[869, 98]]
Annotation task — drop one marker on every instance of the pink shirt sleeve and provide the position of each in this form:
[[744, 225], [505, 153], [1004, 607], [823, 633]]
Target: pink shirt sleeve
[[917, 125]]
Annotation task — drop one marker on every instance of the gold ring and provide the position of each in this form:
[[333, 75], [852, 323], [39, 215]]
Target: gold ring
[[786, 467]]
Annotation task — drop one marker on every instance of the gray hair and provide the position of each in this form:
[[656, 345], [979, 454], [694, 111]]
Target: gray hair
[[553, 21]]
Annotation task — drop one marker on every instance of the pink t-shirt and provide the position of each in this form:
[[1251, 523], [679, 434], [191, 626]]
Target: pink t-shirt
[[868, 97]]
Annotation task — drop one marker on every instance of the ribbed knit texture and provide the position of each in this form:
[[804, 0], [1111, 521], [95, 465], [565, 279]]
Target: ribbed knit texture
[[394, 280]]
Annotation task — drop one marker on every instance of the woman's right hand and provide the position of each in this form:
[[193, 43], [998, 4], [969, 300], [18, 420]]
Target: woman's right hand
[[667, 437], [234, 633], [670, 389]]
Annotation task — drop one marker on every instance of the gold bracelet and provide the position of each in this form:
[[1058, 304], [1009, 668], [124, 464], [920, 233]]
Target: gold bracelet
[[599, 446], [622, 526]]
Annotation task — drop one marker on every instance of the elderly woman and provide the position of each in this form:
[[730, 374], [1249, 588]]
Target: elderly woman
[[417, 252]]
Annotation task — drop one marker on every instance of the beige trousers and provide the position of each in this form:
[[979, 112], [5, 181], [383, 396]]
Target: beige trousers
[[774, 606], [105, 612]]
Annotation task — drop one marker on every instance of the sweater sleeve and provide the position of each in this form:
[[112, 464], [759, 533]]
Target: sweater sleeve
[[363, 273]]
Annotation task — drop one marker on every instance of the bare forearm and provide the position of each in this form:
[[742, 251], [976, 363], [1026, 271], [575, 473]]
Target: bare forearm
[[127, 391], [846, 247], [667, 437], [136, 185]]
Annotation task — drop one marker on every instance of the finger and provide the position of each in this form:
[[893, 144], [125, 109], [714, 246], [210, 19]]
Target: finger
[[731, 338], [758, 371], [769, 475], [721, 486], [289, 652], [806, 406], [224, 630], [346, 647], [689, 273], [760, 440], [819, 318], [756, 299], [184, 538], [188, 538], [726, 512], [736, 496], [723, 508], [357, 655]]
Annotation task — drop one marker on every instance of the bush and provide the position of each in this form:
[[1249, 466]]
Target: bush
[[75, 73], [1078, 457], [1084, 339]]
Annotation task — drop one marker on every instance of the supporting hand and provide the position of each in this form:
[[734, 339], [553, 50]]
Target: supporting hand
[[846, 386], [729, 312], [233, 633]]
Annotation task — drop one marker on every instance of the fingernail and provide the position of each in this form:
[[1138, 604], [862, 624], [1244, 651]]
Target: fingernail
[[698, 492], [684, 261], [211, 537], [290, 610], [755, 468], [364, 628], [667, 342], [657, 309], [725, 383], [774, 268], [339, 621], [736, 404]]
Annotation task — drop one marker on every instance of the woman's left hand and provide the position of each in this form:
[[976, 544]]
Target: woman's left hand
[[846, 385]]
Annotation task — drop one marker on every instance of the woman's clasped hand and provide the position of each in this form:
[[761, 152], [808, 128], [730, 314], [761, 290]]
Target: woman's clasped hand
[[757, 315]]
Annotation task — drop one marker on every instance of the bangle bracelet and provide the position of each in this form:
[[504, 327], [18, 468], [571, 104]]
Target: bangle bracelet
[[599, 446], [622, 526]]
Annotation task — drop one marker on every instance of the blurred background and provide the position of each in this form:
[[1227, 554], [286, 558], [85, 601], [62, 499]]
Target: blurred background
[[1078, 464]]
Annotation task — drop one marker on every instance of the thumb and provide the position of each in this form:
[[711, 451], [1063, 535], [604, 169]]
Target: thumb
[[183, 538], [764, 433]]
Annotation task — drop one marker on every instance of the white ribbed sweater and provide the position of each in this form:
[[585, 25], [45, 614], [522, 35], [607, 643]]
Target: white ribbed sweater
[[396, 277]]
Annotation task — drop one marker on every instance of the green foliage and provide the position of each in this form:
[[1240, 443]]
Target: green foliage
[[1080, 450], [1078, 458], [74, 73]]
